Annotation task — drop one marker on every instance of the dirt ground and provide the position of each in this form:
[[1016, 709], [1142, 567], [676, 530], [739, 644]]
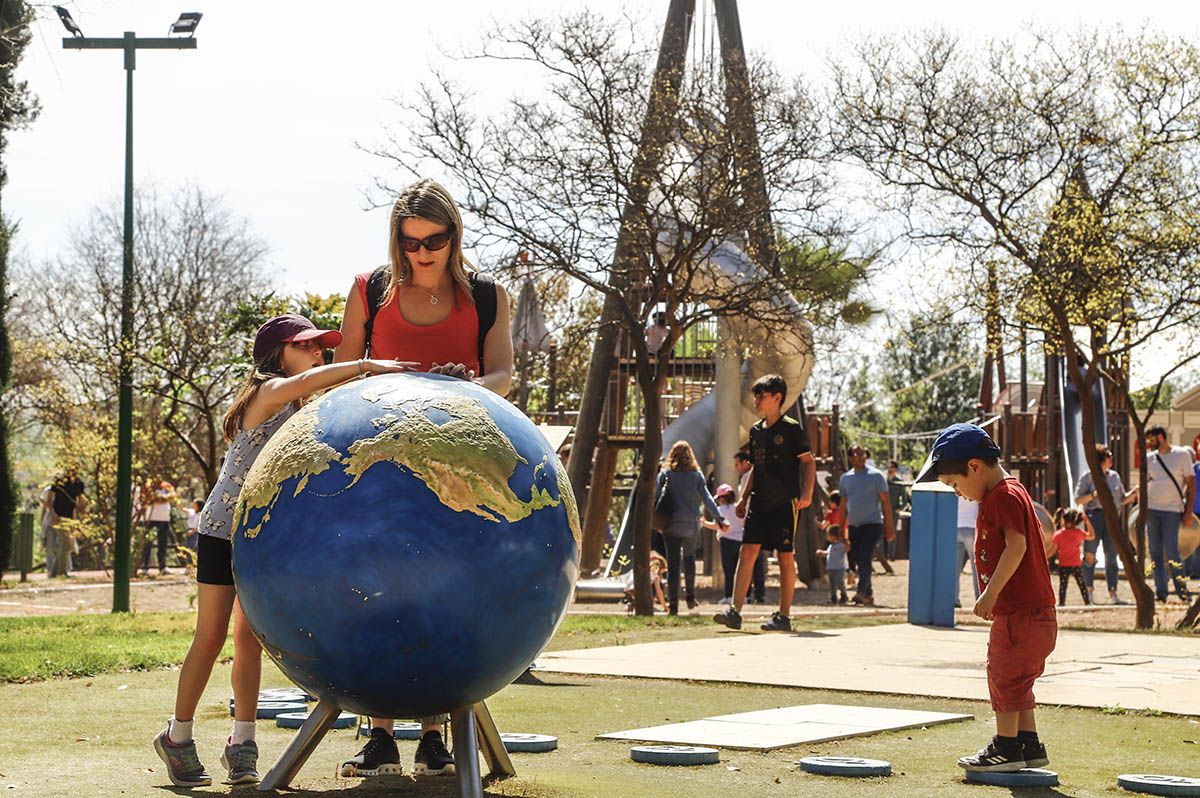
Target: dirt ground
[[91, 591]]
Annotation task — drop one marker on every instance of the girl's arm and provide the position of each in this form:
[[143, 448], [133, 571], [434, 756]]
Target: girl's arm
[[275, 393], [709, 502], [354, 328]]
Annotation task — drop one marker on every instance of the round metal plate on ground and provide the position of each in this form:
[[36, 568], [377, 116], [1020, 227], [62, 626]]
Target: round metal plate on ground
[[1159, 785], [294, 720], [1029, 777], [845, 766], [294, 694], [270, 709], [674, 755], [403, 731], [528, 743]]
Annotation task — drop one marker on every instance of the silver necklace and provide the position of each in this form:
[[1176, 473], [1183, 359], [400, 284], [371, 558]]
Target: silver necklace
[[433, 300]]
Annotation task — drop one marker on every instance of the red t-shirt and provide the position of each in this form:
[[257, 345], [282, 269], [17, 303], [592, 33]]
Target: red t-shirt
[[833, 516], [1068, 541], [455, 339], [1008, 506]]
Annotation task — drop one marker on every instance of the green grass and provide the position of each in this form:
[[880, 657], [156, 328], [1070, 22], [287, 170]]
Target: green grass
[[88, 645], [32, 649], [105, 724]]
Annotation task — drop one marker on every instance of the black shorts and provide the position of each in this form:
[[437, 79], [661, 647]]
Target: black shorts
[[214, 561], [772, 528]]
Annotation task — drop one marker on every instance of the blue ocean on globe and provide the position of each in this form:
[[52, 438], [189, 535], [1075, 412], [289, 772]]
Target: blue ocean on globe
[[406, 545]]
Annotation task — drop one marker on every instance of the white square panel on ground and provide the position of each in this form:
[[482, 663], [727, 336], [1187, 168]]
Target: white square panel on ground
[[768, 729]]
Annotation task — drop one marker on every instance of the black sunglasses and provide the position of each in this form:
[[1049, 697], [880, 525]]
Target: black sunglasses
[[431, 243]]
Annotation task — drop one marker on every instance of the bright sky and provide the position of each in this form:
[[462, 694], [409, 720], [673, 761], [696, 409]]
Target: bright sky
[[267, 111]]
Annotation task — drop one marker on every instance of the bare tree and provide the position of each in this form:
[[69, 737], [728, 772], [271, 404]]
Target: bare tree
[[196, 265], [628, 187], [1069, 165]]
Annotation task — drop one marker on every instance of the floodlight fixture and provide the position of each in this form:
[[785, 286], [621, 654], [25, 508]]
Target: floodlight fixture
[[187, 23], [68, 22]]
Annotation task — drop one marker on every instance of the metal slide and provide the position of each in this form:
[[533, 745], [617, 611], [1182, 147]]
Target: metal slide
[[787, 351]]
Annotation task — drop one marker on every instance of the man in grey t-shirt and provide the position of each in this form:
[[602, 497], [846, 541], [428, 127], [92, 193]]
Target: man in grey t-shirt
[[1169, 498], [867, 516], [1085, 494]]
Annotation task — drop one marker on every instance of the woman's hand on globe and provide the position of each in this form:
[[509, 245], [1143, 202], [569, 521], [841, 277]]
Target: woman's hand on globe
[[456, 370], [389, 366]]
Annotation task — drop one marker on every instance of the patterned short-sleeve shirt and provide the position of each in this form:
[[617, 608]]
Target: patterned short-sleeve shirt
[[216, 519]]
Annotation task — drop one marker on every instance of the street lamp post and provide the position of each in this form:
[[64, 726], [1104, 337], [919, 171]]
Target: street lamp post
[[130, 44]]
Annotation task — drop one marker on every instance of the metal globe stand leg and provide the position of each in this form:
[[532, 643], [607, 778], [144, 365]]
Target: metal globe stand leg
[[472, 729], [320, 720]]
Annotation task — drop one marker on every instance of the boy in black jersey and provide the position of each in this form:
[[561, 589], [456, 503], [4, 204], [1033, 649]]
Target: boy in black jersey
[[780, 486]]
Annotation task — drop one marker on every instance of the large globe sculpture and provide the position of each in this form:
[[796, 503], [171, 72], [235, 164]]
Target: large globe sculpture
[[406, 545]]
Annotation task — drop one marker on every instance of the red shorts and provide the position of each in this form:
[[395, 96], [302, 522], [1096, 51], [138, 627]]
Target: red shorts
[[1018, 646]]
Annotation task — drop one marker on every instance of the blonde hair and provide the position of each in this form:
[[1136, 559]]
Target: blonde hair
[[682, 458], [426, 199], [265, 368]]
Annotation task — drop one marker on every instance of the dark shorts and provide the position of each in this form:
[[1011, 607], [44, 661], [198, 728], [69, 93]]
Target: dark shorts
[[1018, 646], [772, 528], [214, 561]]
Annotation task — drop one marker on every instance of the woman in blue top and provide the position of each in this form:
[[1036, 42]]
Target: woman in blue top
[[683, 485]]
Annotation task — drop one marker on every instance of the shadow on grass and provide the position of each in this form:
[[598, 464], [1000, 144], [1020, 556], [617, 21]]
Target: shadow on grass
[[359, 788], [529, 679]]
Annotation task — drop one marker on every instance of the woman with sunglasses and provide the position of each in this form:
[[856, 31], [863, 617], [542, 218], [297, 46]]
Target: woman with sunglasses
[[426, 314]]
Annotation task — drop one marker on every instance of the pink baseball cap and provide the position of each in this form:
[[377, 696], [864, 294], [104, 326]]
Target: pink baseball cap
[[289, 328], [724, 490]]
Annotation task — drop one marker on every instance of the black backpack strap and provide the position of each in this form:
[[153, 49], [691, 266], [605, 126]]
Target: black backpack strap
[[376, 287], [483, 292]]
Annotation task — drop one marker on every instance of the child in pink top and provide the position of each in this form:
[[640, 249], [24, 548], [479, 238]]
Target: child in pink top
[[1069, 542]]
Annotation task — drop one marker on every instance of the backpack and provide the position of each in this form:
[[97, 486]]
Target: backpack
[[483, 292]]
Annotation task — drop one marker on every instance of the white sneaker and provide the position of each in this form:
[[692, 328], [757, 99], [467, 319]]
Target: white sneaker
[[725, 600]]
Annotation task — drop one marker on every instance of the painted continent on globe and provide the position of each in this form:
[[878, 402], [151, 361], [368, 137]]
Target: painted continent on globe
[[449, 442]]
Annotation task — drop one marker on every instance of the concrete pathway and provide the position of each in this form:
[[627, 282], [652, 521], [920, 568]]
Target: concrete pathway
[[1088, 669]]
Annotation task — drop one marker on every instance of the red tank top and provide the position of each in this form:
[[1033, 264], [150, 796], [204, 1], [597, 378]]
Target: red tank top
[[455, 339]]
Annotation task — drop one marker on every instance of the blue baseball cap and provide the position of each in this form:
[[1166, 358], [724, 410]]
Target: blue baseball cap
[[958, 442]]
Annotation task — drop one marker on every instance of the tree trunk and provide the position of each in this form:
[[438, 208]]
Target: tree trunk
[[1084, 382], [657, 128], [643, 593]]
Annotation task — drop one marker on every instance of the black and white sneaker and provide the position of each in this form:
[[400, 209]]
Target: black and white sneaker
[[778, 623], [729, 617], [377, 758], [994, 759], [432, 758], [1034, 754]]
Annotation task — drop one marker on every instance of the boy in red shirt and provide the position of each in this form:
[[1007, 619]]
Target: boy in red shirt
[[1016, 594]]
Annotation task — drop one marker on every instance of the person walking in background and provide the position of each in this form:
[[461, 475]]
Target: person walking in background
[[193, 524], [1068, 543], [780, 486], [835, 564], [1169, 498], [868, 515], [1085, 495], [681, 486], [65, 500], [968, 514], [158, 522], [743, 467], [729, 537]]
